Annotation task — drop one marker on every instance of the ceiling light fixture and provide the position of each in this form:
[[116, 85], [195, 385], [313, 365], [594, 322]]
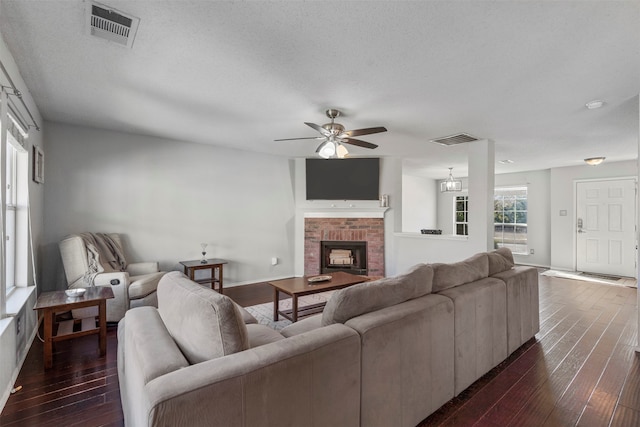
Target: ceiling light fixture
[[450, 184], [505, 162], [595, 104], [594, 161]]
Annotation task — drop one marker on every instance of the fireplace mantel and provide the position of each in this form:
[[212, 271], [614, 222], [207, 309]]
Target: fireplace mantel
[[342, 212]]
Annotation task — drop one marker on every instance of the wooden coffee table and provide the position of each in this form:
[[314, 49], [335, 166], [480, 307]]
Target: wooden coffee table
[[300, 286], [57, 301]]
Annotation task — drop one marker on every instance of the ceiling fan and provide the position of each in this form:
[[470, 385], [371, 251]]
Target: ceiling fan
[[334, 135]]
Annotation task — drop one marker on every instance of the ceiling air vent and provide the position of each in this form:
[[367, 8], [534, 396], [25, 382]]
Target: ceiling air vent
[[113, 25], [459, 138]]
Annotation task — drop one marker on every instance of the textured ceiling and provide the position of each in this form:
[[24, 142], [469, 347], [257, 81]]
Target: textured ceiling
[[241, 74]]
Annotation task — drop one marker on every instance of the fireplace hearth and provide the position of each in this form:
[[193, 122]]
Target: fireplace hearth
[[343, 255]]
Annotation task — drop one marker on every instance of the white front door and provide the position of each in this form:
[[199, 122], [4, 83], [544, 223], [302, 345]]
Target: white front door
[[606, 227]]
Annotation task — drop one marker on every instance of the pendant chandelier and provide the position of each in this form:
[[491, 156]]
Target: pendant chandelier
[[450, 184]]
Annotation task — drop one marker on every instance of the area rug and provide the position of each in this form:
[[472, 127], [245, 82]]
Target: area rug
[[264, 312], [589, 277]]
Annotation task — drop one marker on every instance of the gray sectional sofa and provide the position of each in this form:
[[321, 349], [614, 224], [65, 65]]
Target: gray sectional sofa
[[385, 352]]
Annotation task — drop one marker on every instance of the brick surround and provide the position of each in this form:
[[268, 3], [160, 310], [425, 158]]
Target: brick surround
[[370, 230]]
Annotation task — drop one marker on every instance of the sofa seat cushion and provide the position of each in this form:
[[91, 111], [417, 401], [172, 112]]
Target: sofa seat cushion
[[204, 323], [301, 326], [261, 335], [370, 296], [447, 276], [500, 260], [247, 317], [141, 286]]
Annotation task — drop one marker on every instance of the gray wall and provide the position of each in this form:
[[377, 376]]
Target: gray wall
[[167, 197]]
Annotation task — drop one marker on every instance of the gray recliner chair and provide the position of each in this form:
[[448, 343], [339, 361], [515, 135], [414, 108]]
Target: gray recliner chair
[[133, 287]]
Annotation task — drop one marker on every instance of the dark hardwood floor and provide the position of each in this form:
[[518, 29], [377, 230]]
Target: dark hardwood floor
[[581, 369]]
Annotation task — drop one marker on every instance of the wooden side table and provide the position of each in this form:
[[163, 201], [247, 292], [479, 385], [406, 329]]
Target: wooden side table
[[51, 302], [214, 264]]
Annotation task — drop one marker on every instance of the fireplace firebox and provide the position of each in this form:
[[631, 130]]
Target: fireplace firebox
[[343, 255]]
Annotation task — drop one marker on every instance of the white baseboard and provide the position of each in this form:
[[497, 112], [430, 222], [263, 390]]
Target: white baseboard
[[529, 264]]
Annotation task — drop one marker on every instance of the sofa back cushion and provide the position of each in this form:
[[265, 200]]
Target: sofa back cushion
[[203, 323], [447, 276], [371, 296], [500, 260]]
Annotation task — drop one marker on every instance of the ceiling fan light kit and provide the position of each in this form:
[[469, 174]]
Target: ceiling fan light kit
[[334, 137]]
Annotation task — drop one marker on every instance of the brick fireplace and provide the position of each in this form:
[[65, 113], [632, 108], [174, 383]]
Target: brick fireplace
[[369, 230]]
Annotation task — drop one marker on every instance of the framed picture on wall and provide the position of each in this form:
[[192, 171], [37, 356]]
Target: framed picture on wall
[[38, 165]]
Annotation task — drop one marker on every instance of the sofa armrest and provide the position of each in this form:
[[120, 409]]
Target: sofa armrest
[[281, 383], [155, 351], [120, 302], [140, 268], [107, 279], [145, 352]]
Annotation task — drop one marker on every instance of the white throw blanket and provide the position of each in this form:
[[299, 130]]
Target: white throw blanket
[[103, 255]]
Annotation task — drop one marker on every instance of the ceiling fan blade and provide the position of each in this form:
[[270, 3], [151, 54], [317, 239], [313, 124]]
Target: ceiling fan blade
[[318, 128], [293, 139], [358, 142], [365, 131]]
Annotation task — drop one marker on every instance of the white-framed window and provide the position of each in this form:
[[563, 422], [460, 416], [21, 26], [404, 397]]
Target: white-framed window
[[15, 168], [10, 215], [461, 218], [510, 219]]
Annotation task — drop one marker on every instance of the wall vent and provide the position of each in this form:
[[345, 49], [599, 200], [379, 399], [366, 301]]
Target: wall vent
[[459, 138], [110, 24]]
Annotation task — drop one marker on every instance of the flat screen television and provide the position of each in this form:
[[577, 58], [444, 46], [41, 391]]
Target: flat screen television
[[343, 179]]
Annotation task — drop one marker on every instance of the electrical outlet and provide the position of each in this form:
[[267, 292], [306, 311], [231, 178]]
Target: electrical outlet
[[531, 251], [274, 260]]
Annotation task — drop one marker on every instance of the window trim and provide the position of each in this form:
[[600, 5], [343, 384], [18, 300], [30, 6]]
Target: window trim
[[465, 224], [12, 136]]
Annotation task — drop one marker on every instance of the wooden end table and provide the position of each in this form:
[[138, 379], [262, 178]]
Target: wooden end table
[[300, 286], [214, 264], [51, 302]]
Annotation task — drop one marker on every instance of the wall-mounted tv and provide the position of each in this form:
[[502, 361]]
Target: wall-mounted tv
[[343, 179]]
